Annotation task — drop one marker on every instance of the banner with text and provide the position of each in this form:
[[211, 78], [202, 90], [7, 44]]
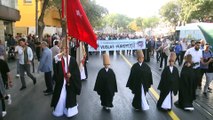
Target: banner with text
[[124, 44]]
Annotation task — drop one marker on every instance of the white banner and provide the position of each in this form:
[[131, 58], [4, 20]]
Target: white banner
[[124, 44]]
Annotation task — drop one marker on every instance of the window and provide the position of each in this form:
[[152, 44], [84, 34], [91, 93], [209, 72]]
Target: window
[[27, 1]]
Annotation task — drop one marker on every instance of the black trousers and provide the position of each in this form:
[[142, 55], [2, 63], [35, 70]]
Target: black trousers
[[48, 81], [158, 55], [1, 110], [163, 57], [182, 56], [38, 53], [3, 105], [85, 68], [178, 58], [198, 77]]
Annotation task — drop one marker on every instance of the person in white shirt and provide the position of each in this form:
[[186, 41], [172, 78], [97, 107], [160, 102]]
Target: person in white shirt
[[196, 58], [17, 59], [165, 53], [184, 45], [25, 57]]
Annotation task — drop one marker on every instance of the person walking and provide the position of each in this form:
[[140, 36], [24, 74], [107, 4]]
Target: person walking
[[45, 66], [158, 50], [207, 63], [67, 84], [196, 53], [5, 80], [2, 51], [186, 90], [168, 84], [105, 84], [25, 58], [164, 54], [139, 82]]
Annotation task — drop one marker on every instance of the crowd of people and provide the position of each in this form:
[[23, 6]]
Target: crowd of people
[[64, 68]]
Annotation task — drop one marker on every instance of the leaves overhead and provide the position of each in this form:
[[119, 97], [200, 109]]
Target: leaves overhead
[[187, 10]]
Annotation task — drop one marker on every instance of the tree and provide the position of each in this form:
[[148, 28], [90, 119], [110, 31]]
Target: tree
[[41, 19], [171, 12], [139, 24], [150, 22], [117, 21], [94, 13], [136, 24], [187, 10], [204, 12]]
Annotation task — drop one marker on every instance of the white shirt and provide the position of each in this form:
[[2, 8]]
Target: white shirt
[[171, 68], [17, 49], [107, 69], [21, 54], [139, 63], [196, 56], [184, 46]]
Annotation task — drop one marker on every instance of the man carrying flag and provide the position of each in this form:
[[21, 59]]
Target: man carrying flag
[[68, 84]]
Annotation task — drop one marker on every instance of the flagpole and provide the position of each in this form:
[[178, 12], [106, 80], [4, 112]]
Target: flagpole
[[65, 19]]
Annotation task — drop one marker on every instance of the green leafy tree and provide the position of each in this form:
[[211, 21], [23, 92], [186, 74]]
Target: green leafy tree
[[150, 22], [136, 24], [94, 12], [117, 21], [204, 12], [187, 10], [171, 12], [139, 24], [133, 26]]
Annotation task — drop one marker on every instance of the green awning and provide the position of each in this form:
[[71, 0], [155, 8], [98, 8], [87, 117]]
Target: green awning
[[207, 33]]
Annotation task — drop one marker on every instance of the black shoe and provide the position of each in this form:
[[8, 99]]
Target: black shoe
[[45, 91], [34, 81], [48, 93], [22, 88], [205, 94]]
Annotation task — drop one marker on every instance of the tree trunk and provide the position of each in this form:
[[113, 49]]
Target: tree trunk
[[63, 26], [63, 23], [41, 20]]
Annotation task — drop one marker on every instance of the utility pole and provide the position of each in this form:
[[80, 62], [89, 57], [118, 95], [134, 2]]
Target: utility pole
[[36, 18]]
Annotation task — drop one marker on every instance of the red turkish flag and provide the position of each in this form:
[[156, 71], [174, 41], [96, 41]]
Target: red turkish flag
[[78, 24]]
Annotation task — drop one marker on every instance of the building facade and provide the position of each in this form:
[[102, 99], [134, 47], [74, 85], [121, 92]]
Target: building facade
[[27, 23], [8, 16]]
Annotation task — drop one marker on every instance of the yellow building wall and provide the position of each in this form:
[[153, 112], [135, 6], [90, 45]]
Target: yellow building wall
[[52, 17], [27, 11]]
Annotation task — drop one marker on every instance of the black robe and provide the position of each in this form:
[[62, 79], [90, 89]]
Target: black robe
[[106, 86], [139, 75], [73, 89], [169, 82], [186, 92]]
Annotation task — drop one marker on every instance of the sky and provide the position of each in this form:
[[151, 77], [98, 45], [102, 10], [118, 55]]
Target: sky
[[133, 8]]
